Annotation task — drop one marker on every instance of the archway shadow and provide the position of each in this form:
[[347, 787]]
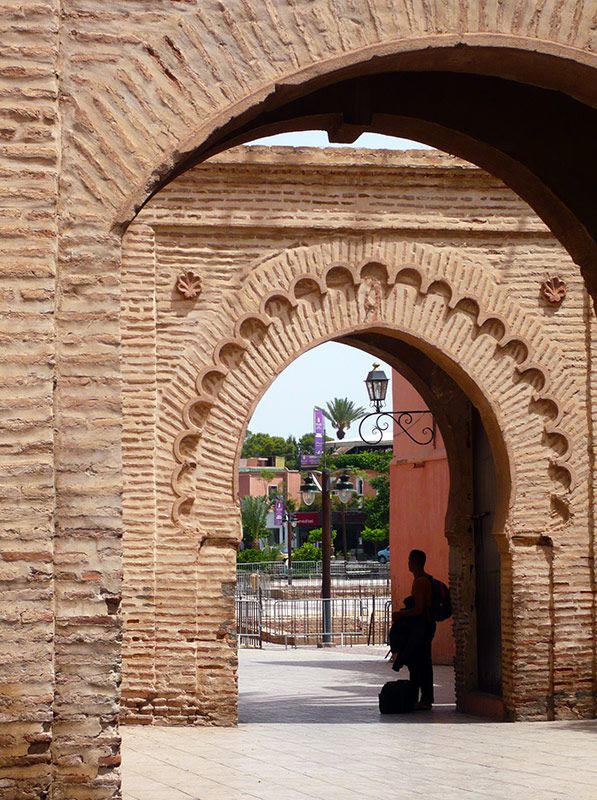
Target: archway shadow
[[340, 687]]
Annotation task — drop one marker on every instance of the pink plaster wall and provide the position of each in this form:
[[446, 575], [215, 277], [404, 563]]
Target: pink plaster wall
[[419, 485], [251, 483]]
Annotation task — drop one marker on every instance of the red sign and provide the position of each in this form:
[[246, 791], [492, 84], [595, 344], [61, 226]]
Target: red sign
[[308, 517]]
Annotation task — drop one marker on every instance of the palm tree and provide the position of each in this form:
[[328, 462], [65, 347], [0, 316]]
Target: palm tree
[[254, 518], [342, 412]]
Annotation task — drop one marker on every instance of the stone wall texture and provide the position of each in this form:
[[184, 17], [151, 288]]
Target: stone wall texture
[[99, 102]]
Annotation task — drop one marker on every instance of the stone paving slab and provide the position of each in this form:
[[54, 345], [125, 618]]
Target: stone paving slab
[[310, 730]]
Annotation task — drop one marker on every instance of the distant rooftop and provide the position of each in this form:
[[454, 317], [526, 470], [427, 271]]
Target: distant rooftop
[[347, 157]]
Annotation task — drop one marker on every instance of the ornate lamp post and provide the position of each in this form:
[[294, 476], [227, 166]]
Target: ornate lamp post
[[308, 490], [377, 387]]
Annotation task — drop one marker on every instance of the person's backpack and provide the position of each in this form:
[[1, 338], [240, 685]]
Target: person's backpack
[[441, 602], [397, 697]]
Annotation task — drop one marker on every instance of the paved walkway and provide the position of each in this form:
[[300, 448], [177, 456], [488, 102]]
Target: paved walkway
[[310, 730]]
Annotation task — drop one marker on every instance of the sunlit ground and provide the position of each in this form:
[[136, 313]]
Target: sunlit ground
[[310, 728]]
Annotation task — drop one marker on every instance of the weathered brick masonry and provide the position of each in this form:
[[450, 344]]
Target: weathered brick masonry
[[29, 172], [288, 249], [99, 103]]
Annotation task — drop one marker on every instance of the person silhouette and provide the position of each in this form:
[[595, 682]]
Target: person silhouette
[[418, 651]]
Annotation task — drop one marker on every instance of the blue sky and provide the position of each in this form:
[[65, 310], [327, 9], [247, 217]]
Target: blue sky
[[328, 371], [368, 141], [332, 369]]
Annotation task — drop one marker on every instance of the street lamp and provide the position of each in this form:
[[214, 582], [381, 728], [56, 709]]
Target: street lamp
[[308, 489], [344, 488], [377, 387]]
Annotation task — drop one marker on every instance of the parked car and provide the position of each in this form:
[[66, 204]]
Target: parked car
[[383, 556]]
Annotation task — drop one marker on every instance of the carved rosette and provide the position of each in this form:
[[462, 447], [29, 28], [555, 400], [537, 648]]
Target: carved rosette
[[554, 290], [188, 285]]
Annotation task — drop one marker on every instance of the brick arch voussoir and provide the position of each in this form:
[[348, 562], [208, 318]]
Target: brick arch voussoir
[[205, 66], [276, 278], [312, 328]]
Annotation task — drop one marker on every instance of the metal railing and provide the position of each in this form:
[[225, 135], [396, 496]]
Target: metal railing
[[280, 587], [294, 621], [273, 606], [248, 622], [350, 569]]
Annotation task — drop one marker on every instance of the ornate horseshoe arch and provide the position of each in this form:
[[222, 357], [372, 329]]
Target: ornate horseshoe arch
[[447, 305]]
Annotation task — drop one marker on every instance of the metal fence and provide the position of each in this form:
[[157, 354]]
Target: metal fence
[[270, 587], [248, 622], [272, 578], [275, 606], [296, 621], [300, 569]]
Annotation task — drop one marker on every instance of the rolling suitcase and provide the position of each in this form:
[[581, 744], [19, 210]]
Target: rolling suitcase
[[396, 697]]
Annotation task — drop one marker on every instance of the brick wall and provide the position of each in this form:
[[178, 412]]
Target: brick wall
[[98, 103], [235, 222], [29, 164]]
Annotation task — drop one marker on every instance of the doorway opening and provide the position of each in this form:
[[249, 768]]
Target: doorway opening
[[416, 516], [265, 273]]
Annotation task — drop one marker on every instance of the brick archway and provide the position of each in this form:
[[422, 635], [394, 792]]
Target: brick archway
[[445, 306], [276, 291], [108, 102]]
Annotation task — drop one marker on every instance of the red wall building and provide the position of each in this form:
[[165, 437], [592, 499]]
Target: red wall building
[[419, 485]]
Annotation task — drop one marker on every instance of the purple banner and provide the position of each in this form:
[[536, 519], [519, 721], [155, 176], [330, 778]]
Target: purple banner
[[279, 511], [318, 431], [309, 460]]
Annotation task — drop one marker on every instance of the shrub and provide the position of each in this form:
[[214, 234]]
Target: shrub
[[370, 459], [306, 552], [251, 555], [375, 535], [315, 535]]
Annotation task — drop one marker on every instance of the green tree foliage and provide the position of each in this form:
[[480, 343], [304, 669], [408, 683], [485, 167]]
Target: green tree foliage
[[307, 442], [342, 412], [373, 460], [306, 552], [264, 445], [250, 555], [378, 508], [375, 535], [315, 535], [254, 517]]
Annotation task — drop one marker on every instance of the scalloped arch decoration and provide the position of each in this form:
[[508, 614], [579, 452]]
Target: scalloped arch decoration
[[276, 278]]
